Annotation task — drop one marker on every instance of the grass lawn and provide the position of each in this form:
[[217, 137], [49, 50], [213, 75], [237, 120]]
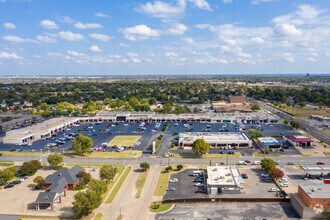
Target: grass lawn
[[162, 207], [140, 183], [123, 154], [6, 163], [259, 154], [120, 168], [238, 154], [123, 140], [327, 153], [303, 112], [98, 216], [30, 154], [119, 183]]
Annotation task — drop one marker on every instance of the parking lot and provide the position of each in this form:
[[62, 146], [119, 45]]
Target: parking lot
[[273, 130], [230, 211], [254, 186], [99, 132]]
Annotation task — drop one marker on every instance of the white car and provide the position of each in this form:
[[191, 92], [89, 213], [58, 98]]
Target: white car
[[174, 180], [285, 184], [29, 144], [199, 184], [283, 180], [273, 190]]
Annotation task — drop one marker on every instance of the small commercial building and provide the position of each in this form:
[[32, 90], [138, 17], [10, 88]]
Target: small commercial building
[[299, 140], [223, 180], [57, 184], [216, 139], [235, 104], [311, 200], [320, 118], [38, 131], [269, 142]]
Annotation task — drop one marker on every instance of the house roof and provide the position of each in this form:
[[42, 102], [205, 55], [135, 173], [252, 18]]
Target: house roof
[[300, 138], [46, 197], [68, 174], [237, 99]]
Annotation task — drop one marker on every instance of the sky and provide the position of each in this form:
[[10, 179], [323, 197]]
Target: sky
[[123, 37]]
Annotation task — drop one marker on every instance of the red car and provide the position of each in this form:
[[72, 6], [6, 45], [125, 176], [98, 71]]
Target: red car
[[320, 163], [200, 191], [244, 176], [247, 161]]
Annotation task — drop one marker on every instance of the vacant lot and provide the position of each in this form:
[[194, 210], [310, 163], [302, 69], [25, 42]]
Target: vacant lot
[[303, 112], [123, 140]]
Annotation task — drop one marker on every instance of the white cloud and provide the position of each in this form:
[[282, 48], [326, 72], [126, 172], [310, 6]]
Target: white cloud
[[160, 9], [100, 37], [48, 24], [286, 30], [227, 1], [14, 39], [6, 55], [307, 12], [94, 48], [46, 39], [288, 57], [101, 15], [202, 4], [256, 2], [9, 26], [69, 36], [139, 32], [74, 53], [188, 40], [80, 25], [123, 45], [257, 40], [177, 29]]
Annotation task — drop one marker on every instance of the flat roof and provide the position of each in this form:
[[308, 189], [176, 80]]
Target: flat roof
[[316, 190], [300, 138], [39, 128], [319, 169], [215, 136], [222, 176], [267, 139]]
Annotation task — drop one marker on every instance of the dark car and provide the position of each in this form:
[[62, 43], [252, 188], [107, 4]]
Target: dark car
[[247, 161], [24, 177], [10, 185], [200, 191], [290, 163], [320, 163], [244, 176], [12, 150]]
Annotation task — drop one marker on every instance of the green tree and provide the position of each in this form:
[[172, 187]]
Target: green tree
[[40, 182], [54, 159], [254, 133], [276, 173], [167, 108], [44, 107], [179, 167], [7, 174], [268, 164], [29, 168], [152, 101], [82, 144], [294, 124], [98, 186], [108, 172], [144, 166], [85, 202], [84, 177], [285, 122], [133, 102], [200, 146], [169, 168], [255, 107]]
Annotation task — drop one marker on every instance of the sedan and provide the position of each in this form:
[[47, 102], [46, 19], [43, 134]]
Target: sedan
[[200, 191], [199, 184], [10, 185], [290, 163], [174, 180], [320, 163], [170, 188], [244, 176]]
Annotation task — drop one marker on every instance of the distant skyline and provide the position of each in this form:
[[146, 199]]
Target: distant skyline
[[77, 37]]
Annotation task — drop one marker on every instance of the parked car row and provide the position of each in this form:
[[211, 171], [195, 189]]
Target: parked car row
[[15, 182]]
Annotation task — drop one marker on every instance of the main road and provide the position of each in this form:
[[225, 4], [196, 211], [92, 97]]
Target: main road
[[282, 160], [303, 124]]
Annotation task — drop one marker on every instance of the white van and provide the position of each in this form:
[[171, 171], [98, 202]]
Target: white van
[[241, 162], [256, 163], [197, 172]]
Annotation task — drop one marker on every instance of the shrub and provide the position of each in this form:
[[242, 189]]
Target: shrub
[[144, 166], [57, 167], [30, 168], [79, 187], [179, 167], [154, 206]]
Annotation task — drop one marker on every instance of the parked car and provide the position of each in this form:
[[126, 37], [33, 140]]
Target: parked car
[[200, 191], [283, 180], [284, 184], [273, 190], [244, 176], [174, 180], [320, 163], [10, 185], [170, 188], [199, 184], [247, 161]]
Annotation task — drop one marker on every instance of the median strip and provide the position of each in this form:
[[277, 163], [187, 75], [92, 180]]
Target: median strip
[[118, 185]]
